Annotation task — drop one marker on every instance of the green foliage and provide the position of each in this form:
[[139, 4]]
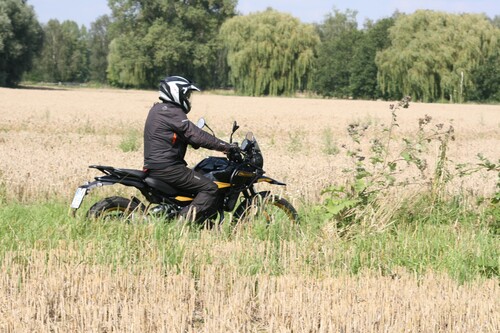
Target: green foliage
[[496, 21], [269, 53], [367, 202], [339, 35], [296, 143], [431, 239], [433, 55], [484, 164], [425, 238], [98, 44], [3, 189], [363, 70], [486, 78], [130, 141], [157, 38], [20, 40], [64, 57], [330, 147], [381, 169]]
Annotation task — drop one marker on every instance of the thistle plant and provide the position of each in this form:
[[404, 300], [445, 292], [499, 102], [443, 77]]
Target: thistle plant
[[386, 163]]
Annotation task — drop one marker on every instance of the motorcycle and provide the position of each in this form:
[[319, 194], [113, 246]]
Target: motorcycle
[[235, 175]]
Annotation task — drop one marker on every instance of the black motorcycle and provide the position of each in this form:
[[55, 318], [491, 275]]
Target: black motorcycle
[[235, 175]]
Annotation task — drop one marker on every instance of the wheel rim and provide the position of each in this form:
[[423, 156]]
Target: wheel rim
[[118, 214], [113, 214]]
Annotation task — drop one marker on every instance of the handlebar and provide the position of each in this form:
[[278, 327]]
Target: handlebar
[[234, 154]]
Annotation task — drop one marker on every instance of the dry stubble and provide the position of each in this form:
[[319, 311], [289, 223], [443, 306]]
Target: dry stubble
[[49, 137], [42, 292]]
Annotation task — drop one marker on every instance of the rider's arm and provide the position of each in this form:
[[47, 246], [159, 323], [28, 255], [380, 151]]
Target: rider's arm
[[196, 136]]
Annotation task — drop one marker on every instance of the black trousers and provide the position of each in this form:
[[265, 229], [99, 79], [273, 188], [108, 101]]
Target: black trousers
[[187, 180]]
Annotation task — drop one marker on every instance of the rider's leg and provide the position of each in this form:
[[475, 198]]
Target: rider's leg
[[189, 181]]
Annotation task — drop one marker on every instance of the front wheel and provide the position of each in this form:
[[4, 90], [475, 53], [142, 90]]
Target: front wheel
[[268, 207], [115, 208]]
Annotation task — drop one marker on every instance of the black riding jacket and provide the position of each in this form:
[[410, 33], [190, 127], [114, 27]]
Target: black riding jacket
[[167, 133]]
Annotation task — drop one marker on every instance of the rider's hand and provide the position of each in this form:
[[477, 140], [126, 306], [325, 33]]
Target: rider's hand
[[233, 152]]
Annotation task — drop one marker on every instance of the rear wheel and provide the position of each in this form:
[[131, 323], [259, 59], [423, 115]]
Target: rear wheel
[[268, 207], [115, 209]]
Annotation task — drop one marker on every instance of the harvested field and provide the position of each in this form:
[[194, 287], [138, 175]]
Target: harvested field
[[60, 274], [49, 137], [41, 295]]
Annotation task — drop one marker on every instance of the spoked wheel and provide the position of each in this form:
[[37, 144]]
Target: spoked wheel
[[115, 209], [268, 207]]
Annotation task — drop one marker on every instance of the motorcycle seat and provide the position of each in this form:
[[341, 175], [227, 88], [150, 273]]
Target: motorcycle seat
[[165, 188]]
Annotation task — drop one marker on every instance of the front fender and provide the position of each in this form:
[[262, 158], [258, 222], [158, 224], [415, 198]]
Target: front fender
[[269, 180]]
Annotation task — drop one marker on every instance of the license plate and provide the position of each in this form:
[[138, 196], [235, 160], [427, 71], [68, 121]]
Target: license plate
[[78, 198]]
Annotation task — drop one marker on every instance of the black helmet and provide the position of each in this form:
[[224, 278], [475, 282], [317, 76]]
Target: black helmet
[[177, 90]]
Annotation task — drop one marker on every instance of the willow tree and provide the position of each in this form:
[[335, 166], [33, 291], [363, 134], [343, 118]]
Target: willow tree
[[269, 53], [433, 54]]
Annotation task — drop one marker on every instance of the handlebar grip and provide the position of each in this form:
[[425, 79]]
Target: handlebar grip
[[234, 154]]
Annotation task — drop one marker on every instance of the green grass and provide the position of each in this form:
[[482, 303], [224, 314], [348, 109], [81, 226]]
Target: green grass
[[130, 141], [448, 238]]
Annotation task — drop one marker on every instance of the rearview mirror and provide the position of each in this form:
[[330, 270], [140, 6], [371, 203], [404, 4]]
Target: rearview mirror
[[235, 128], [201, 123]]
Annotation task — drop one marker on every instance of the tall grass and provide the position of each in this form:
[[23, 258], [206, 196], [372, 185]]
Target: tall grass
[[449, 239]]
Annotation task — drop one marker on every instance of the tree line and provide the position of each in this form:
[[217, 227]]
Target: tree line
[[429, 55]]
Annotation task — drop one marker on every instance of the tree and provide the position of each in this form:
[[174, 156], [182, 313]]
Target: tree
[[363, 70], [20, 40], [98, 44], [496, 21], [433, 55], [64, 56], [269, 53], [486, 79], [339, 34], [172, 37]]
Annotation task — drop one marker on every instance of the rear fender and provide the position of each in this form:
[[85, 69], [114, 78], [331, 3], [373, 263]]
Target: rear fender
[[84, 189]]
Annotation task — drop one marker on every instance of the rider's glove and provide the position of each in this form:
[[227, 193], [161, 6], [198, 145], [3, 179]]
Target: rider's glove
[[233, 152]]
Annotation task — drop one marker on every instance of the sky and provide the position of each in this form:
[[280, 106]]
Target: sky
[[308, 11]]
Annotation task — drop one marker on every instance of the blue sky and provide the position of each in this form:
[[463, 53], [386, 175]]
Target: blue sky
[[85, 12]]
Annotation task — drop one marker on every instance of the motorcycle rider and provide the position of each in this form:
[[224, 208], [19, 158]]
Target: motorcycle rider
[[167, 133]]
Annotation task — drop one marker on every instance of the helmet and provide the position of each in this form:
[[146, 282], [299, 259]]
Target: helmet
[[177, 90]]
